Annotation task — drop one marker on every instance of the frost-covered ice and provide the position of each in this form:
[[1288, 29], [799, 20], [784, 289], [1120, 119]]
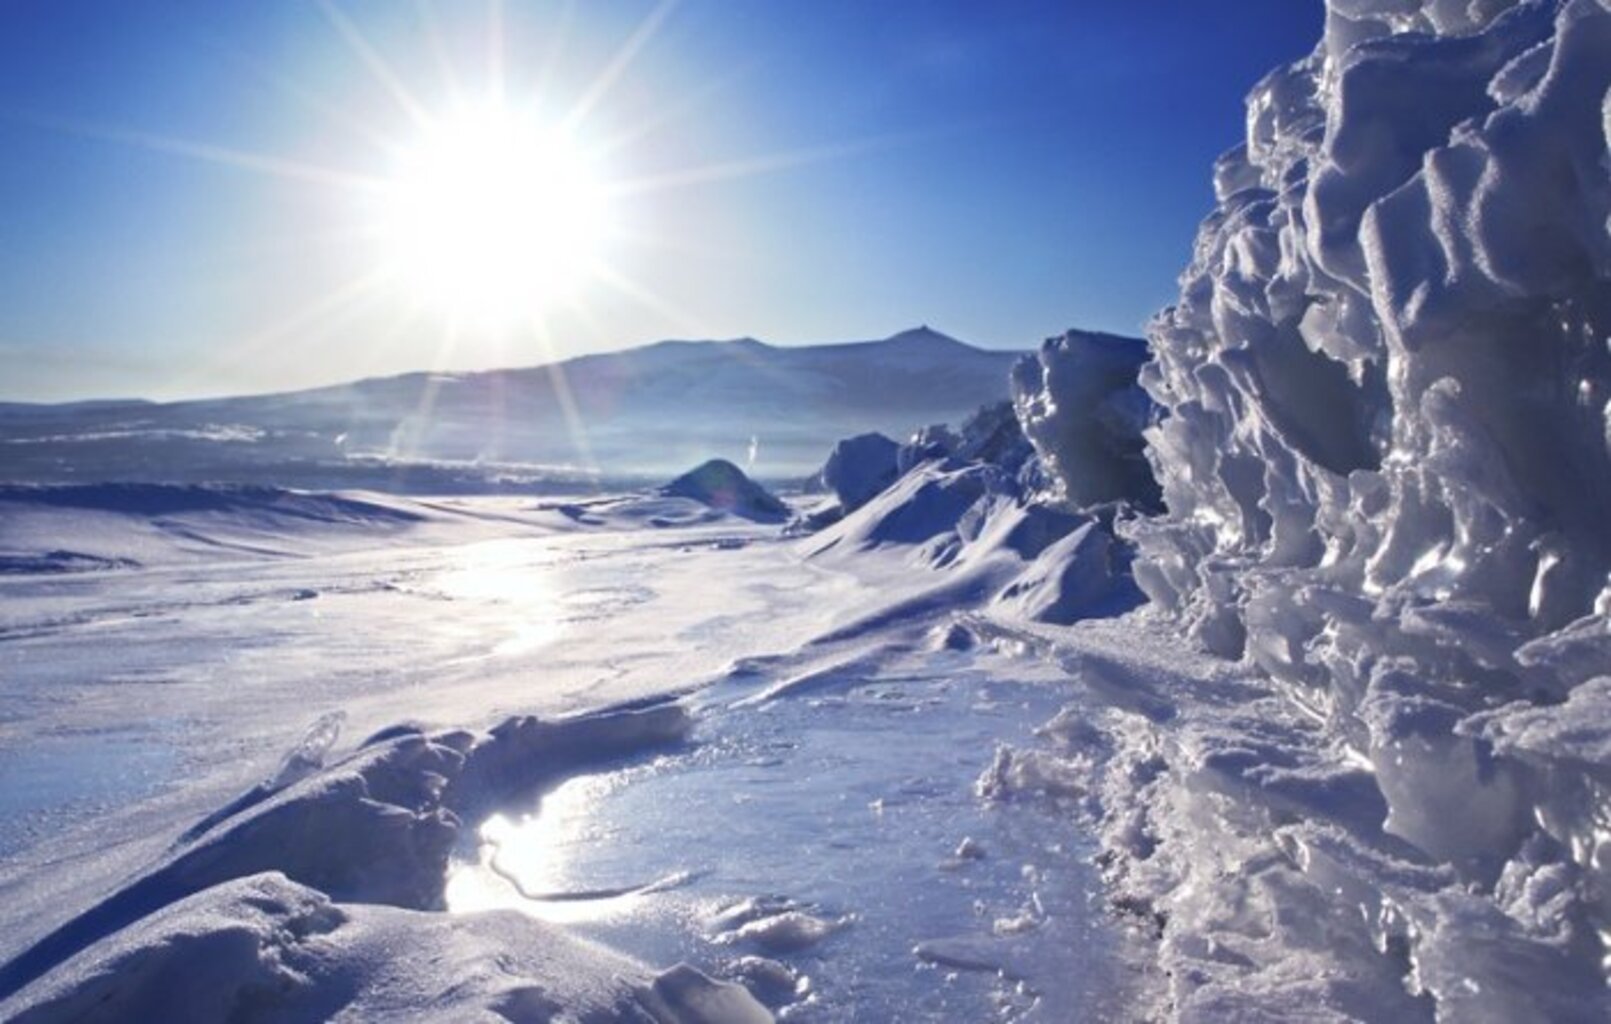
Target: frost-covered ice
[[1384, 444]]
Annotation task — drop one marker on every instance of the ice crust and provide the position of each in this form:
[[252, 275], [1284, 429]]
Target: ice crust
[[1385, 455]]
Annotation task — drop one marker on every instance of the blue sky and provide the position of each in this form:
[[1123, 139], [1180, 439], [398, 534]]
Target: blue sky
[[178, 217]]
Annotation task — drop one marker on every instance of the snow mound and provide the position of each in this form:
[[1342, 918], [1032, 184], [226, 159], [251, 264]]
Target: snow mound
[[1385, 452], [723, 486], [264, 947], [859, 467], [376, 827], [989, 544], [1081, 574], [90, 527], [926, 503]]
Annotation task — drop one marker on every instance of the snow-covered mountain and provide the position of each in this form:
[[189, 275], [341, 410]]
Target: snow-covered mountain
[[645, 411]]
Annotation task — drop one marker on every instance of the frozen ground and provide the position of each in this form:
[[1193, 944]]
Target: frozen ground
[[816, 817]]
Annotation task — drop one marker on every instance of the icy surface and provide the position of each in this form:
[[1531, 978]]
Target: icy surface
[[798, 830], [1386, 397]]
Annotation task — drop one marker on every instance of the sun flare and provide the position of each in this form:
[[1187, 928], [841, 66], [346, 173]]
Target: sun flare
[[494, 216]]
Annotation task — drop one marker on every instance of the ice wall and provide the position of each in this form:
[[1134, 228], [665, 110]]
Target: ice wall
[[1386, 449]]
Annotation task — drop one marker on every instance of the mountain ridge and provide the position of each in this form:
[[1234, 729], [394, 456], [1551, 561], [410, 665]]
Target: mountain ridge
[[651, 410]]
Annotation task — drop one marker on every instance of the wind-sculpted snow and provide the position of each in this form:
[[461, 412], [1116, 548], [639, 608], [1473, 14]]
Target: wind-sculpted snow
[[1385, 454], [265, 948], [976, 520], [251, 885]]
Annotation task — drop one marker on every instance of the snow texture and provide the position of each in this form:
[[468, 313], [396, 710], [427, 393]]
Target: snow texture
[[1385, 454], [300, 901], [1079, 404]]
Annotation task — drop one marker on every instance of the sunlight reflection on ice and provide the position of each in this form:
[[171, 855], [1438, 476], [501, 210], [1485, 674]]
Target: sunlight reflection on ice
[[523, 862], [503, 574]]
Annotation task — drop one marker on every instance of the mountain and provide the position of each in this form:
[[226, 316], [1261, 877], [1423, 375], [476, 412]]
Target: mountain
[[642, 412]]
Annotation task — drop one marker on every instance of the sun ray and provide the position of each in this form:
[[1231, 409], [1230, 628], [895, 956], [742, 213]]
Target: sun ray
[[374, 63], [433, 385], [268, 75], [556, 46], [619, 63], [328, 305], [669, 113], [744, 167], [425, 11], [208, 152], [569, 410], [679, 244], [598, 338], [331, 306], [648, 299], [496, 47]]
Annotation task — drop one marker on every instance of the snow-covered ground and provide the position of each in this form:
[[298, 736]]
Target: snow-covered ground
[[815, 816], [1274, 688]]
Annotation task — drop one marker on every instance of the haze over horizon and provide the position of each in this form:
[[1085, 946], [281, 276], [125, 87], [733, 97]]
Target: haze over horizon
[[204, 202]]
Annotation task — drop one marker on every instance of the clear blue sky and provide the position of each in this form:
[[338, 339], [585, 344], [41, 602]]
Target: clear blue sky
[[178, 218]]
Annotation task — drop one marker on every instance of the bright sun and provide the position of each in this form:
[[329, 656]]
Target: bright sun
[[493, 217]]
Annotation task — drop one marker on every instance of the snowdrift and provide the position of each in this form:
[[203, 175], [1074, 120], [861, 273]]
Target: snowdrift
[[82, 527], [1385, 454], [975, 508], [297, 901]]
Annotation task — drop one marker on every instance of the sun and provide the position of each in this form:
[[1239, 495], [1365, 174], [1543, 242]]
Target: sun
[[493, 216]]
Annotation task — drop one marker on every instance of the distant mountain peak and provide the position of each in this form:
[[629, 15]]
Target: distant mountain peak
[[923, 334]]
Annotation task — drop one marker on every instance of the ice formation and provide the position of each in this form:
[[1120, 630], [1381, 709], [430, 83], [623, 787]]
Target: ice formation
[[974, 506], [723, 486], [1079, 404], [1385, 454], [858, 468]]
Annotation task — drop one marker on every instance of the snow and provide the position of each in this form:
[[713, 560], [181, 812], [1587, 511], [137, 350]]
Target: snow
[[858, 468], [365, 793], [1384, 448], [263, 944], [625, 417], [722, 486], [1079, 404], [927, 755]]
